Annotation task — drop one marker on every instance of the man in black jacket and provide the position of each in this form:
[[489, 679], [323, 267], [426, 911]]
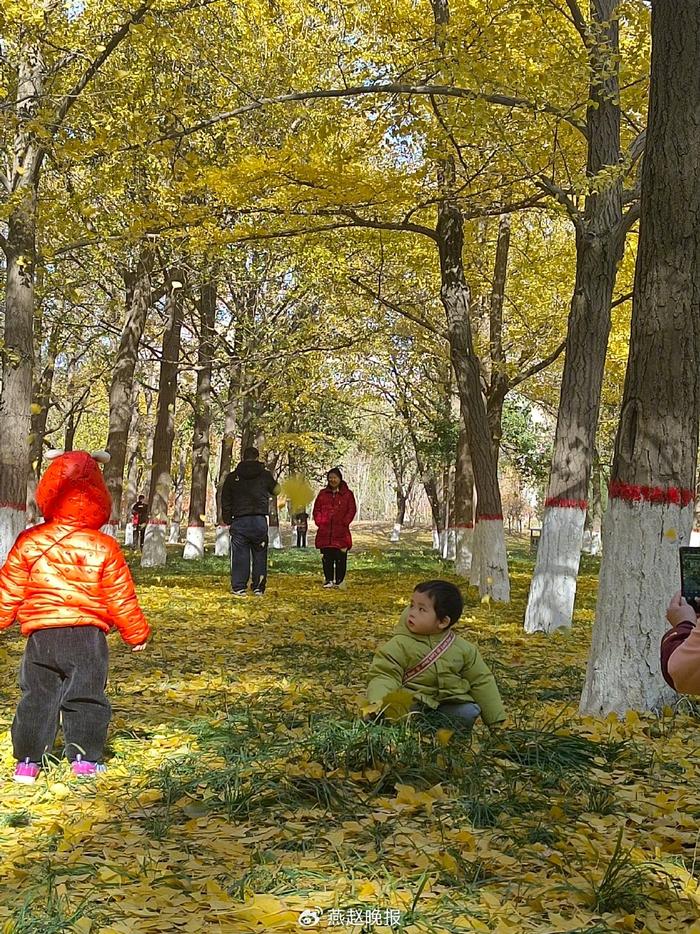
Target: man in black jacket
[[245, 506]]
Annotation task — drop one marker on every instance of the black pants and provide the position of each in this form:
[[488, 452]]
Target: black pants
[[335, 564], [139, 532], [249, 543], [63, 673], [301, 538]]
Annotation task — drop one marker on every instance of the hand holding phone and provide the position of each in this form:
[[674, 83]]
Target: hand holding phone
[[690, 576]]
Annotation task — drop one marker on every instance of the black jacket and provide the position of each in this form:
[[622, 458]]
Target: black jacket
[[247, 491]]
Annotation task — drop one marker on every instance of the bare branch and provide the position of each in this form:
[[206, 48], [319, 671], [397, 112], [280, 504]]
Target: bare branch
[[431, 90], [577, 18], [536, 367], [398, 308]]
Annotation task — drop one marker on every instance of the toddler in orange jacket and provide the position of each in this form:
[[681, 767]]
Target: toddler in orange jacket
[[67, 585]]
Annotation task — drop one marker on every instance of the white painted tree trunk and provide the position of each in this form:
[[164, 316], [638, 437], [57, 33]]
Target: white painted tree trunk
[[475, 569], [550, 605], [275, 538], [493, 561], [396, 532], [154, 552], [112, 528], [129, 535], [174, 533], [447, 544], [592, 543], [638, 576], [194, 543], [436, 540], [12, 522], [463, 550], [223, 542]]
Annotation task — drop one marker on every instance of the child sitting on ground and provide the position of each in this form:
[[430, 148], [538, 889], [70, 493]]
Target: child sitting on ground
[[67, 584], [440, 669]]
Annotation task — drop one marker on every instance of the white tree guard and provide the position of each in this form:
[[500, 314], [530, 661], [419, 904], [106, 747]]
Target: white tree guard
[[436, 540], [493, 561], [154, 553], [638, 576], [450, 545], [475, 569], [174, 533], [223, 542], [396, 532], [592, 542], [463, 551], [275, 538], [12, 522], [550, 604], [194, 543], [129, 535]]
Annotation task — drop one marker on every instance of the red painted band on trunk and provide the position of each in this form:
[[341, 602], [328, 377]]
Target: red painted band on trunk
[[19, 507], [157, 522], [658, 495], [489, 518], [561, 503], [464, 525], [197, 525]]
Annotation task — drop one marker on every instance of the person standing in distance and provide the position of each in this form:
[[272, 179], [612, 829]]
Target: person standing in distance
[[245, 506], [334, 510], [139, 517]]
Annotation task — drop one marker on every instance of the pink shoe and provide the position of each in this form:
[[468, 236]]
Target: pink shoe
[[86, 769], [26, 772]]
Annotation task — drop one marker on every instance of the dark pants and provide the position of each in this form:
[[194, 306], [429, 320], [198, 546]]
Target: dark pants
[[139, 532], [249, 542], [301, 538], [63, 673], [335, 564]]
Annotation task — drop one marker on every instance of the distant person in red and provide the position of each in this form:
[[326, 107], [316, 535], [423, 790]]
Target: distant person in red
[[139, 517], [334, 510], [67, 585]]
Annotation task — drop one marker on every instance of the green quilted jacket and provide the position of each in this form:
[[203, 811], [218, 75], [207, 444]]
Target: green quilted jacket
[[460, 675]]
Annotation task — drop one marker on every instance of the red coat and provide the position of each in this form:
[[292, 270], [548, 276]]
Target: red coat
[[333, 513], [65, 572]]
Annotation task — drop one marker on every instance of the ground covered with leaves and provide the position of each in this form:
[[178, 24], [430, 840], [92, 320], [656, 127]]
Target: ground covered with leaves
[[245, 793]]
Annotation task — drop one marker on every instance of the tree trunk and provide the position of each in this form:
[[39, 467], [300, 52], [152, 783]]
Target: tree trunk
[[132, 467], [464, 504], [194, 546], [39, 414], [228, 440], [154, 552], [274, 534], [138, 302], [454, 293], [594, 515], [179, 490], [18, 347], [599, 245], [652, 483], [401, 500], [498, 382]]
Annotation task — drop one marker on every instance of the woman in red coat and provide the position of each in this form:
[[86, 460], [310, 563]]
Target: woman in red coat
[[334, 510]]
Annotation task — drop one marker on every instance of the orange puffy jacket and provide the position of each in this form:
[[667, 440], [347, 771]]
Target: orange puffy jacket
[[65, 572]]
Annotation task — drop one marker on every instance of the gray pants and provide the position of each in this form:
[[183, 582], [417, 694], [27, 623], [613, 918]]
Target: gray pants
[[63, 674], [459, 715]]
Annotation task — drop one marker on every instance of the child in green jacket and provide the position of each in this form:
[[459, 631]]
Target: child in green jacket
[[434, 666]]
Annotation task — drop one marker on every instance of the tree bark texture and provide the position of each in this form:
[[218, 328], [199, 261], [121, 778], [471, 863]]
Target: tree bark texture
[[599, 246], [653, 473], [194, 547], [464, 504], [154, 553], [138, 302]]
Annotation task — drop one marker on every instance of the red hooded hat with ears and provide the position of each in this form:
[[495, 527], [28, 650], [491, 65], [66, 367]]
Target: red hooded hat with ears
[[73, 490]]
